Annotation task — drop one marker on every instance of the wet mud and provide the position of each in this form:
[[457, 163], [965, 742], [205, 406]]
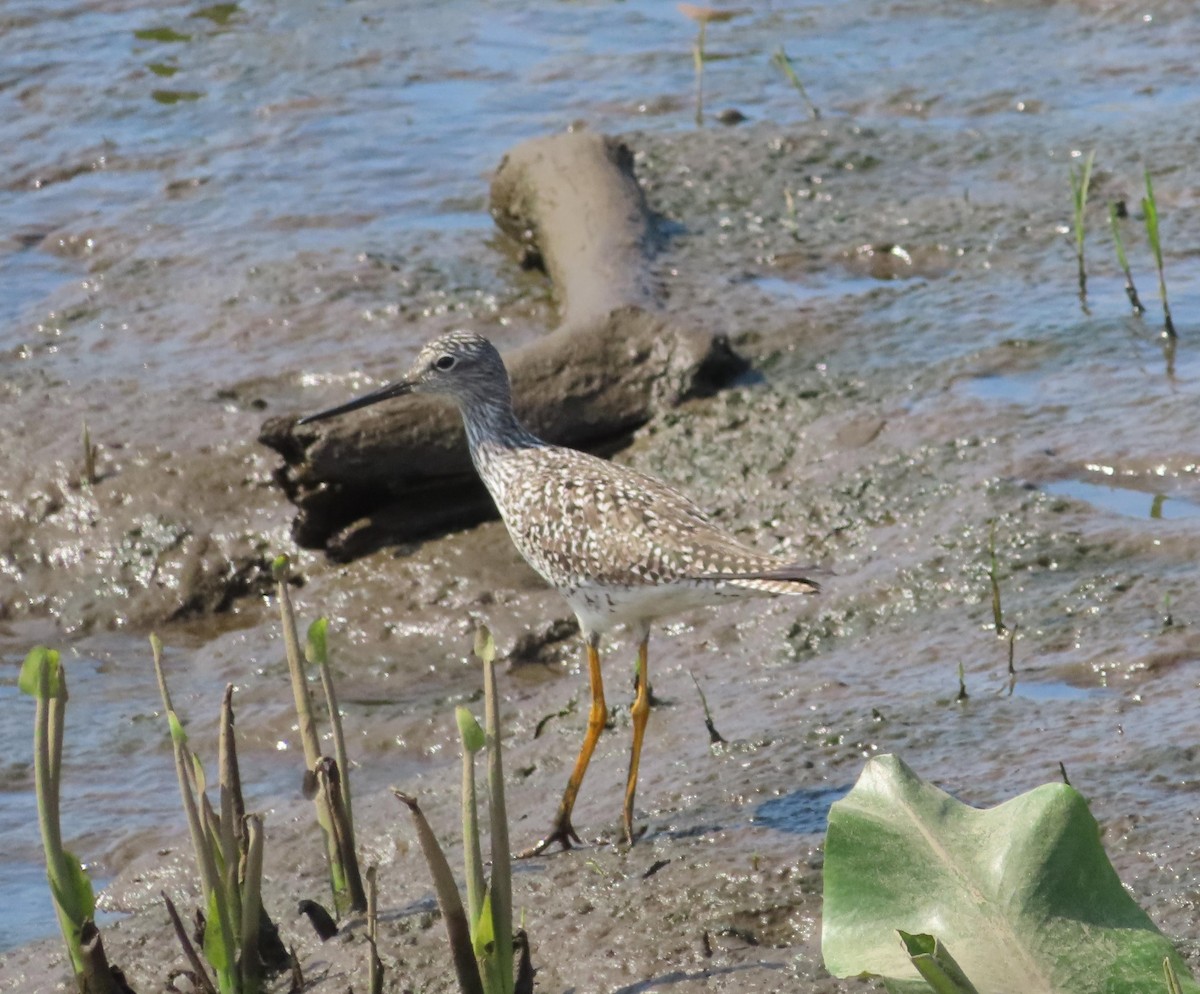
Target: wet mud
[[925, 393]]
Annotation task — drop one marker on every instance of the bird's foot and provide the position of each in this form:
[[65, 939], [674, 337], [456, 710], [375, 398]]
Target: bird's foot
[[561, 833], [630, 835]]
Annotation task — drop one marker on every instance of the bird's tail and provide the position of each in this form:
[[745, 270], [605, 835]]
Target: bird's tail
[[790, 578]]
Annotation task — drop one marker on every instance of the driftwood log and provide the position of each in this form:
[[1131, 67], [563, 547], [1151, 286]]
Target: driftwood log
[[400, 471]]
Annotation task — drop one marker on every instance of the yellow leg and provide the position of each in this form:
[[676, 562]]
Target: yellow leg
[[561, 831], [640, 712]]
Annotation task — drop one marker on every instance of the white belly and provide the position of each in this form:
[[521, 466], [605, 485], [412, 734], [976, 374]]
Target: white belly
[[601, 609]]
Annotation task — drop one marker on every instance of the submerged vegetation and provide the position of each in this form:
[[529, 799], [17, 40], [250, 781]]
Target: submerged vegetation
[[1081, 181], [1114, 225], [994, 581], [1081, 178], [1150, 212], [780, 58], [703, 16]]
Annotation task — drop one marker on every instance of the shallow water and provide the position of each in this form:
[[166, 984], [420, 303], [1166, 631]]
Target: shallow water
[[227, 212]]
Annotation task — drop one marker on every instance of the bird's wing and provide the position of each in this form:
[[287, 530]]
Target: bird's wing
[[611, 524]]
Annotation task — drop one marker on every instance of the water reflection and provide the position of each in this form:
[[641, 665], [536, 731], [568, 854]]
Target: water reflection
[[1125, 501], [802, 812]]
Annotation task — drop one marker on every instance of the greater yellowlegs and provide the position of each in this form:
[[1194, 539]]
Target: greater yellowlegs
[[620, 546]]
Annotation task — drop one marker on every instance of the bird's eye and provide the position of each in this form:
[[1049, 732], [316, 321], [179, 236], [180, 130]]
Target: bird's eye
[[445, 362]]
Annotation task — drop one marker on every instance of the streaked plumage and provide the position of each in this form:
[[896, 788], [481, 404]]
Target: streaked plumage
[[622, 547]]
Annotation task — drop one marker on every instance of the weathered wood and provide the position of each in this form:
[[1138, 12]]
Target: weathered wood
[[400, 471], [573, 203]]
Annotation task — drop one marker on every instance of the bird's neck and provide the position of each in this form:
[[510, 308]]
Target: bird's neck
[[493, 430]]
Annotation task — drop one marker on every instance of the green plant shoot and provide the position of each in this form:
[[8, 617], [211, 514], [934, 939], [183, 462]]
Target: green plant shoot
[[935, 964], [1119, 244], [480, 935], [229, 856], [333, 817], [1081, 181], [703, 16], [43, 679], [1150, 211], [994, 580], [780, 58]]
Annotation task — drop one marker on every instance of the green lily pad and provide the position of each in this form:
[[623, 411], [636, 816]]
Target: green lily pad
[[1023, 892]]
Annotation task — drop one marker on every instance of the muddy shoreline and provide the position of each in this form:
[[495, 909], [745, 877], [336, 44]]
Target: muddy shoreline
[[900, 403]]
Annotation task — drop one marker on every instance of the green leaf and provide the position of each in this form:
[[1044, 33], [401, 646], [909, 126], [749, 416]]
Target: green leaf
[[1150, 211], [468, 728], [483, 932], [198, 772], [315, 646], [1022, 892], [485, 645], [483, 940], [30, 679], [214, 939], [178, 735], [458, 928], [74, 895]]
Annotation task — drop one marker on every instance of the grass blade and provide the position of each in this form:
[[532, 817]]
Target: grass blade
[[1119, 244], [1081, 181], [780, 58], [1150, 210], [994, 581], [448, 900]]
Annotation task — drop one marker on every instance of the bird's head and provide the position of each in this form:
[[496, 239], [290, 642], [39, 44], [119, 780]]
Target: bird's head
[[459, 364]]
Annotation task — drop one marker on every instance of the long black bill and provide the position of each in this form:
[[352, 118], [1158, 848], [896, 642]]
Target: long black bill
[[397, 389]]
